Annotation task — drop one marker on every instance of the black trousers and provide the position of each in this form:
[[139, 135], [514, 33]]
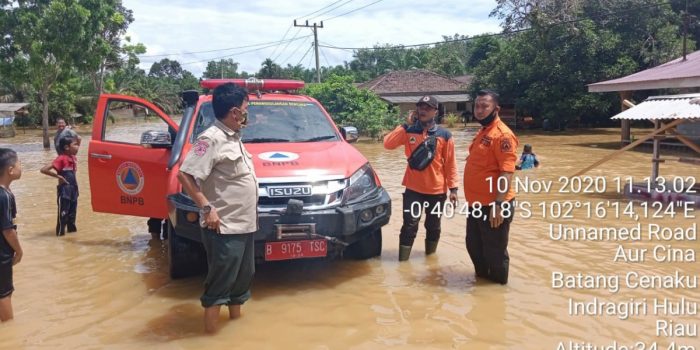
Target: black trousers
[[67, 211], [414, 205], [488, 247]]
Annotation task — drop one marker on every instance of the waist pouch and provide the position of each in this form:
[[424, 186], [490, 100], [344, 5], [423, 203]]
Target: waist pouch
[[424, 154]]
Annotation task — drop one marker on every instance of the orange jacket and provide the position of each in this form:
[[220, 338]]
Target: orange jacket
[[492, 151], [441, 174]]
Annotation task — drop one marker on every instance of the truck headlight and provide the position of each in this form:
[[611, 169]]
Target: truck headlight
[[361, 183]]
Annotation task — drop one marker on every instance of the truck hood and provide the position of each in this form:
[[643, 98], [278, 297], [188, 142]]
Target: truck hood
[[310, 159]]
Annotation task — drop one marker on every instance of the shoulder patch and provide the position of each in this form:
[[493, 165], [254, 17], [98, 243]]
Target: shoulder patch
[[506, 145], [201, 147]]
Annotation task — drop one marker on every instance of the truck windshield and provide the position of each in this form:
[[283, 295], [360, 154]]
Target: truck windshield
[[277, 121]]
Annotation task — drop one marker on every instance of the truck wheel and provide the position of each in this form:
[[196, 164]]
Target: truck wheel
[[369, 246], [185, 257]]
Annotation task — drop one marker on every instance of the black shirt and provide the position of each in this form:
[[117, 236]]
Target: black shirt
[[8, 212]]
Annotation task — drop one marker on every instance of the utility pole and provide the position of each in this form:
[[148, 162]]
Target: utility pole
[[685, 31], [314, 28]]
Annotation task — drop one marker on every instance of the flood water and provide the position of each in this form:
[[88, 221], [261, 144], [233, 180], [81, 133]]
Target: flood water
[[107, 286]]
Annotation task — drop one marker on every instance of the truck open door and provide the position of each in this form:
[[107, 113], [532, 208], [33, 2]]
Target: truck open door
[[128, 157]]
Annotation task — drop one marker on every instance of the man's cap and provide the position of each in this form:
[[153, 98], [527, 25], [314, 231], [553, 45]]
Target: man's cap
[[428, 100]]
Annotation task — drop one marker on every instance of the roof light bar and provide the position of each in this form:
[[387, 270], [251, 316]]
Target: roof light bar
[[255, 84]]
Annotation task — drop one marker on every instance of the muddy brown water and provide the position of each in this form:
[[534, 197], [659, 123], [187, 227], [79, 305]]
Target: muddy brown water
[[106, 286]]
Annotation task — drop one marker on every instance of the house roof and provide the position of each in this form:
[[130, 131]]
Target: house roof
[[464, 79], [674, 74], [415, 81], [12, 107], [664, 107]]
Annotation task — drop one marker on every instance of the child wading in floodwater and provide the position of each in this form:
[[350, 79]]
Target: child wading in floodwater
[[63, 168], [528, 160], [10, 249]]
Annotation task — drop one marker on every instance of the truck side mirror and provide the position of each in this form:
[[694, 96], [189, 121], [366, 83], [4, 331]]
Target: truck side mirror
[[156, 139], [350, 133]]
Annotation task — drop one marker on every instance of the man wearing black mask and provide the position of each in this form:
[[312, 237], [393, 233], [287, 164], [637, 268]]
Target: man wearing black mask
[[488, 191]]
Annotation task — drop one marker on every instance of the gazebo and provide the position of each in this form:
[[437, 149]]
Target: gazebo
[[669, 114], [681, 73]]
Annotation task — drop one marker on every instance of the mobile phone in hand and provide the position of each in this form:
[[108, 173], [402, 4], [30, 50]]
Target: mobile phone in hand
[[412, 116]]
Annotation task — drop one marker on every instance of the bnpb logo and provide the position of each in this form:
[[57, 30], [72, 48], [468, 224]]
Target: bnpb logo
[[278, 156], [130, 178]]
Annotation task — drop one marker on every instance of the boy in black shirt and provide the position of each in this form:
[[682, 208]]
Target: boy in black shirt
[[10, 249]]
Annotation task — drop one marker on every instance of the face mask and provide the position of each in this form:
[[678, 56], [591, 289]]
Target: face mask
[[489, 119], [244, 118], [428, 124]]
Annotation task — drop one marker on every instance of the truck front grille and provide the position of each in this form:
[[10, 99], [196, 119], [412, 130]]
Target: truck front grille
[[326, 193], [318, 199]]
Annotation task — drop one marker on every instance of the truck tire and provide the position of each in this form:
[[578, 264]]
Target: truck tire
[[369, 246], [185, 257]]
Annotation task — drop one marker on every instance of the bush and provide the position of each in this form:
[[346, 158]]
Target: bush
[[451, 120], [349, 105]]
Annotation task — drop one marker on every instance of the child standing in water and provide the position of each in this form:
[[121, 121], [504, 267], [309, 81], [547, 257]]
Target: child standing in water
[[528, 160], [10, 249], [64, 168]]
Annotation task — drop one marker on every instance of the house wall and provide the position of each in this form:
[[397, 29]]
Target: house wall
[[449, 107]]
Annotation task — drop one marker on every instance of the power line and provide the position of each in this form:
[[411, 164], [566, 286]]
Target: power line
[[322, 8], [327, 45], [231, 55], [314, 27], [333, 9], [226, 49], [286, 46], [306, 53], [357, 9], [295, 51], [311, 59], [325, 58], [492, 35], [290, 27], [283, 37]]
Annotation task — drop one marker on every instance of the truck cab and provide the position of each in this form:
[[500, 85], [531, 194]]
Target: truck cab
[[318, 195]]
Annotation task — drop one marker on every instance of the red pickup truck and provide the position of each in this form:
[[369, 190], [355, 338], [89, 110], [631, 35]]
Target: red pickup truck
[[318, 195]]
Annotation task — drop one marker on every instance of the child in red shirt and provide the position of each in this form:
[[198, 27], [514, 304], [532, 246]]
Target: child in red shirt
[[64, 168]]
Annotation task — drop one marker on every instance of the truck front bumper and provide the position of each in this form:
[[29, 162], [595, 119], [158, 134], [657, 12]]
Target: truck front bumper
[[345, 224]]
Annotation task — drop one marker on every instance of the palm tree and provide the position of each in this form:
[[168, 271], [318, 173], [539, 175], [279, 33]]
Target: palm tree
[[270, 69]]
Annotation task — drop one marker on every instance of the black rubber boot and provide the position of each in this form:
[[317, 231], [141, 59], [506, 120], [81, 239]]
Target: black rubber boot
[[430, 247], [404, 252]]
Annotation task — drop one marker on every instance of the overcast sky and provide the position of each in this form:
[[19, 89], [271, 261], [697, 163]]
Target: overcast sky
[[236, 30]]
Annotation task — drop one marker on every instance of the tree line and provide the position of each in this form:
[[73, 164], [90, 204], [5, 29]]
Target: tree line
[[59, 55]]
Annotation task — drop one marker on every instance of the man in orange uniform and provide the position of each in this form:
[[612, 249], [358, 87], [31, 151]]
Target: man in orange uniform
[[488, 191], [425, 188]]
